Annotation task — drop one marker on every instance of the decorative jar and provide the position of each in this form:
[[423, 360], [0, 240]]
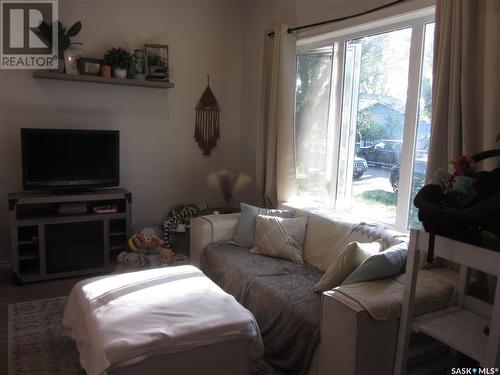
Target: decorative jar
[[139, 64]]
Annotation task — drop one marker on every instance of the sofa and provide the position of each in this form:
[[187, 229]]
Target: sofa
[[306, 332]]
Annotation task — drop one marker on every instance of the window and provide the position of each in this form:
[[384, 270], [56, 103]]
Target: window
[[362, 118], [314, 70]]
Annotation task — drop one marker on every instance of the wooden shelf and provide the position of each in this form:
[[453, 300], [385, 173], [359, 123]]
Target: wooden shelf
[[43, 74], [28, 242], [460, 329], [29, 255], [117, 234], [61, 219], [118, 247], [36, 241]]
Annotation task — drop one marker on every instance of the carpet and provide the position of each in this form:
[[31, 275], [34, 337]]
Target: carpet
[[38, 342], [40, 345]]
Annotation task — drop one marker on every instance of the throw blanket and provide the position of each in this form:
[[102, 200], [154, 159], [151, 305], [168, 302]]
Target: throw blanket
[[122, 319], [382, 299], [280, 295]]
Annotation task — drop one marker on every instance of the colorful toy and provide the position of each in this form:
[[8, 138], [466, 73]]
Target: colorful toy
[[462, 188], [147, 241], [464, 166], [179, 215]]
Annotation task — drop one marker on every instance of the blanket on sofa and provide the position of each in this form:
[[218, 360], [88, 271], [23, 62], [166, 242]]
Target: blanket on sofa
[[382, 299], [280, 295]]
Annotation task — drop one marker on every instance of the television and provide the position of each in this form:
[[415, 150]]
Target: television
[[55, 159]]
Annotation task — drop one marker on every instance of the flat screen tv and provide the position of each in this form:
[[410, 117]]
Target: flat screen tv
[[55, 159]]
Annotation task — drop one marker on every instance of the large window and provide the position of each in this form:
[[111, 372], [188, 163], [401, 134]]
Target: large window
[[362, 120]]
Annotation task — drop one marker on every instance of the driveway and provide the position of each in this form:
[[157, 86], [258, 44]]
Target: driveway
[[373, 179]]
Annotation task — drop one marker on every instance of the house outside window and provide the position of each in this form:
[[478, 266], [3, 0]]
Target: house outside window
[[362, 119]]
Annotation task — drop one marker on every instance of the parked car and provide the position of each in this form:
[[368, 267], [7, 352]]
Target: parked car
[[385, 153], [360, 167], [419, 170]]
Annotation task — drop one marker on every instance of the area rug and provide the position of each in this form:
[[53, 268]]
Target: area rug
[[38, 342], [40, 345]]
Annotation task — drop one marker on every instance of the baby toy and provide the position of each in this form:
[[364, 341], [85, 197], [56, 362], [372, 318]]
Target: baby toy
[[462, 189], [179, 216], [131, 260], [442, 179], [167, 256], [147, 241]]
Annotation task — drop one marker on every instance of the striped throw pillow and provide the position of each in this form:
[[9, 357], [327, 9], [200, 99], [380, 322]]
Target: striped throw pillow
[[280, 237]]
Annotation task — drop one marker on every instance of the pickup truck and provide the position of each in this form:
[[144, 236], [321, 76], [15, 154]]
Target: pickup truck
[[385, 153]]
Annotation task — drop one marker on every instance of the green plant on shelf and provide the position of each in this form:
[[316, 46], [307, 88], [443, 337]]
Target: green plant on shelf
[[118, 58], [45, 32], [156, 60]]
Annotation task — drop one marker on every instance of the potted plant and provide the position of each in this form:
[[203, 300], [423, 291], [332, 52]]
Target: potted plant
[[45, 31], [119, 59]]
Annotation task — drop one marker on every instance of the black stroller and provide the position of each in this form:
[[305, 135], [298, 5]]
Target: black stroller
[[477, 223]]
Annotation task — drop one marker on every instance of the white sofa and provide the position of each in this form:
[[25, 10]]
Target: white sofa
[[351, 341]]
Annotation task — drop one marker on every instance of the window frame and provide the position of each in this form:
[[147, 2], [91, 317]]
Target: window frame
[[417, 21]]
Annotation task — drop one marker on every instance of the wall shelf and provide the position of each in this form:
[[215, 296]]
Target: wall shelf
[[44, 74]]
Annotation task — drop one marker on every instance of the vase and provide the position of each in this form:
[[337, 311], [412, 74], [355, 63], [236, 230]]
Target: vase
[[140, 65], [120, 73], [71, 62]]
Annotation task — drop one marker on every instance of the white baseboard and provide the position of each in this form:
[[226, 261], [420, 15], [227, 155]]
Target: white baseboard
[[5, 265]]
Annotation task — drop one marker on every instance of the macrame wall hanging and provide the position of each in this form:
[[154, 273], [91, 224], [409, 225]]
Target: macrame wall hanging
[[207, 130]]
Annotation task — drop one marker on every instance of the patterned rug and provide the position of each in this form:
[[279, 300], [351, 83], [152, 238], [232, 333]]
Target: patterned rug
[[38, 342], [40, 345]]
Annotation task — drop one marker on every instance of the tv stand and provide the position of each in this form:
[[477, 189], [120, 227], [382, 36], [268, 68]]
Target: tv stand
[[46, 245]]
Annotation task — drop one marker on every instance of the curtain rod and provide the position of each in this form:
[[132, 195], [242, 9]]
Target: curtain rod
[[298, 28]]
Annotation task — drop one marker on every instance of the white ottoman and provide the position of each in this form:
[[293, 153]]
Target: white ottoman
[[167, 320]]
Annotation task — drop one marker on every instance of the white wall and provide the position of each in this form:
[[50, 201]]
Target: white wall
[[160, 162]]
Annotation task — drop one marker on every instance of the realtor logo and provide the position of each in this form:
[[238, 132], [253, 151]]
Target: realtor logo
[[20, 46]]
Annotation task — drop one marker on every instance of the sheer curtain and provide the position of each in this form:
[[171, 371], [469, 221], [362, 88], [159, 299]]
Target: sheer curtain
[[275, 148], [466, 88]]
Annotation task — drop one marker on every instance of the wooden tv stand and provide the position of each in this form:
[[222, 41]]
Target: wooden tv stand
[[48, 245]]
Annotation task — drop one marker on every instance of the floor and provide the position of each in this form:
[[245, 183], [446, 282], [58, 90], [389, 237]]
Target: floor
[[14, 294]]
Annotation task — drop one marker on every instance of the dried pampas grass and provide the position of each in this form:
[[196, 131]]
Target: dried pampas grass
[[228, 182]]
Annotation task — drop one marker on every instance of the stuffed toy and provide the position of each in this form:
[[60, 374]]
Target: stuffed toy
[[167, 256], [131, 260], [462, 189], [180, 215], [442, 179], [464, 166]]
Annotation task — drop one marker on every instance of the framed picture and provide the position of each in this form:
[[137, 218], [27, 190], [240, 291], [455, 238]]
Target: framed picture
[[89, 66], [157, 58]]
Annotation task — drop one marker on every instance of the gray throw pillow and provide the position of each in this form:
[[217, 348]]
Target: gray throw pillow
[[346, 262], [245, 230], [387, 263]]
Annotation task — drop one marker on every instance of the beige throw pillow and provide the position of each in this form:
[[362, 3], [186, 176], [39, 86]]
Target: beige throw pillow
[[280, 237], [347, 261]]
